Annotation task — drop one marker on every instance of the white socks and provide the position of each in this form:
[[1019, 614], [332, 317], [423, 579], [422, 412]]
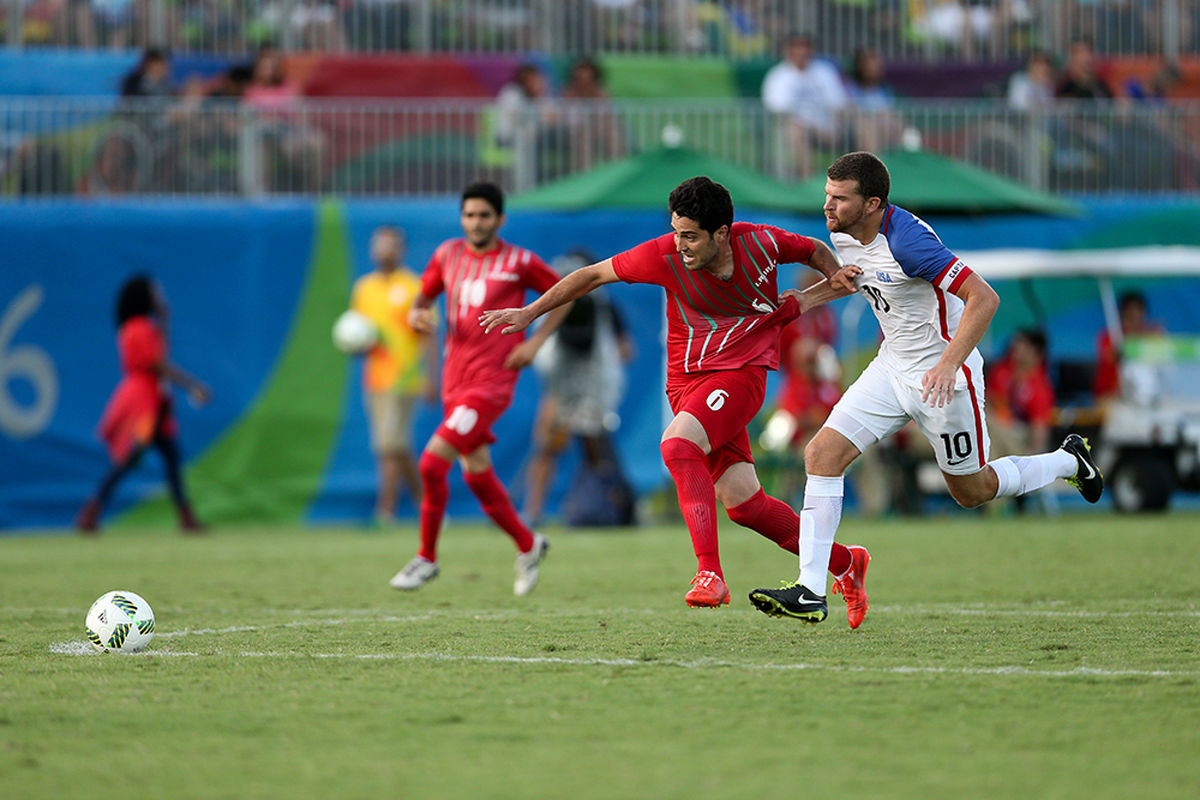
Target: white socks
[[818, 523], [1021, 474]]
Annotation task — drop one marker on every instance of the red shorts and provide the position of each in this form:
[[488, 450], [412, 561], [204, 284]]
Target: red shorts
[[724, 402], [468, 419]]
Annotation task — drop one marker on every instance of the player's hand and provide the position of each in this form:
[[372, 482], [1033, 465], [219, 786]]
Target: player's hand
[[199, 395], [796, 293], [514, 320], [521, 356], [938, 385], [843, 279], [421, 320]]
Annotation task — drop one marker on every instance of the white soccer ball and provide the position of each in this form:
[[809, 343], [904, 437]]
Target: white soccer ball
[[120, 622], [354, 333]]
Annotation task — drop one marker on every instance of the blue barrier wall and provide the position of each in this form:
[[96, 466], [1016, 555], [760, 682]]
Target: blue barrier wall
[[248, 286]]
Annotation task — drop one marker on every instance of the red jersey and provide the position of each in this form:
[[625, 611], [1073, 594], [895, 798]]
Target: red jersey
[[140, 403], [715, 324], [1027, 398], [474, 282]]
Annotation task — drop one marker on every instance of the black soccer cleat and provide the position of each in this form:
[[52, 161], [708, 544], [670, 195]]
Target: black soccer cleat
[[1088, 479], [791, 600]]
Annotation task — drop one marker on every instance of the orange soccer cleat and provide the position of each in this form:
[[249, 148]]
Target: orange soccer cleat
[[708, 591], [852, 585]]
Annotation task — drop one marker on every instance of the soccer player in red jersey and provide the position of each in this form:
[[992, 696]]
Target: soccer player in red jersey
[[724, 313], [476, 272]]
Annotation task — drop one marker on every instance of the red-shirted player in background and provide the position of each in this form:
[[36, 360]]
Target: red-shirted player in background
[[724, 313], [476, 272]]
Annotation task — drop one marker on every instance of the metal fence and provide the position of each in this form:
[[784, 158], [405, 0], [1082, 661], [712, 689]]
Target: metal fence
[[910, 30], [90, 146]]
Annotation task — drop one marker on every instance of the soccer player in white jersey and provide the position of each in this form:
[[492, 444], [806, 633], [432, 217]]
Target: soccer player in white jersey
[[933, 311]]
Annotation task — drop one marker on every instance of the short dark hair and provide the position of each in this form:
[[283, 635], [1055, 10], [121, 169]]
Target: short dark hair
[[1036, 338], [865, 168], [703, 200], [485, 190], [1132, 297], [136, 299]]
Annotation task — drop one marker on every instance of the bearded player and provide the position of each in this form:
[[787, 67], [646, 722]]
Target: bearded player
[[933, 311], [476, 272], [724, 315]]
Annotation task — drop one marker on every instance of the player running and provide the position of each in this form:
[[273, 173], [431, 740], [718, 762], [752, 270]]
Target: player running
[[933, 311], [723, 319], [476, 272]]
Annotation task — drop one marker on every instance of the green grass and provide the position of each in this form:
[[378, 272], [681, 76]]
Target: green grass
[[1002, 658]]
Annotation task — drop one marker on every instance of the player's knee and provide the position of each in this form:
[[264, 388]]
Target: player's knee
[[432, 467], [676, 449]]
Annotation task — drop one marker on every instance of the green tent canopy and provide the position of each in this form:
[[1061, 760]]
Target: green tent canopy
[[922, 182], [929, 183], [644, 181]]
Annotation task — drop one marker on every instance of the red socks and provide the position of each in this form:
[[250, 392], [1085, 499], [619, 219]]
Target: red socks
[[495, 501], [697, 499], [435, 493], [776, 520]]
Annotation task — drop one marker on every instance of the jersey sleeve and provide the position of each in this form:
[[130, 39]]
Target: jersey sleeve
[[791, 248], [538, 274], [921, 254], [644, 263], [433, 280]]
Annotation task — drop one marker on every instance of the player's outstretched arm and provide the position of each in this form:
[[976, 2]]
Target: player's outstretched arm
[[573, 286], [825, 291], [825, 262]]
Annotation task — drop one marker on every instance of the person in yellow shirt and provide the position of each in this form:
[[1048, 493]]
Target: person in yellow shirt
[[396, 369]]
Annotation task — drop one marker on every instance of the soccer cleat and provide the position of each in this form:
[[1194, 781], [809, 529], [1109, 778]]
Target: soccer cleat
[[1087, 479], [527, 566], [708, 591], [415, 574], [791, 600], [851, 585]]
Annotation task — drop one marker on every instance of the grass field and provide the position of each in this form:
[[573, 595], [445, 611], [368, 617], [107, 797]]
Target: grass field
[[1001, 658]]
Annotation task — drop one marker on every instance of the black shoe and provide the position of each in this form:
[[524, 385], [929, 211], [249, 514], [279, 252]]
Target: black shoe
[[1088, 479], [791, 600]]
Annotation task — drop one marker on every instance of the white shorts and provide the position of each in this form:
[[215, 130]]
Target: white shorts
[[879, 404]]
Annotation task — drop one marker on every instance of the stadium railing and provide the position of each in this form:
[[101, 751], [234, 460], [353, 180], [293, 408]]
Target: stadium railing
[[908, 30], [104, 147]]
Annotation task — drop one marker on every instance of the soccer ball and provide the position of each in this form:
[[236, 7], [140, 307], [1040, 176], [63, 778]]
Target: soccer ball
[[120, 622], [354, 333]]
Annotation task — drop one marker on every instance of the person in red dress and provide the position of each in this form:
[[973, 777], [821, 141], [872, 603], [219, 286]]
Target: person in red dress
[[1131, 307], [724, 314], [475, 272], [139, 414]]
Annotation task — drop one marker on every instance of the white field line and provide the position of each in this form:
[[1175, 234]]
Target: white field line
[[82, 648]]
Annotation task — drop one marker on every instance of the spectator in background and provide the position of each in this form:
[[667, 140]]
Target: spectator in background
[[1021, 400], [582, 368], [1081, 80], [396, 369], [139, 413], [809, 95], [530, 123], [293, 157], [594, 132], [151, 77], [1156, 87], [1033, 87], [1132, 309], [876, 124]]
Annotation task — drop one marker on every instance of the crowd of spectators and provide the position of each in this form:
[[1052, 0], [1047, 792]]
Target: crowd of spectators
[[963, 29]]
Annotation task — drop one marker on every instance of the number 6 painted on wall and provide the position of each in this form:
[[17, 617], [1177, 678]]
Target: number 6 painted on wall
[[29, 363]]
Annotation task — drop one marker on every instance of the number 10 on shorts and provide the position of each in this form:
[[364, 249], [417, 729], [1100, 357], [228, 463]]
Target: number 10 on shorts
[[462, 419]]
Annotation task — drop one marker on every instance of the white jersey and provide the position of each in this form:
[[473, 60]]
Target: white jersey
[[909, 278]]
